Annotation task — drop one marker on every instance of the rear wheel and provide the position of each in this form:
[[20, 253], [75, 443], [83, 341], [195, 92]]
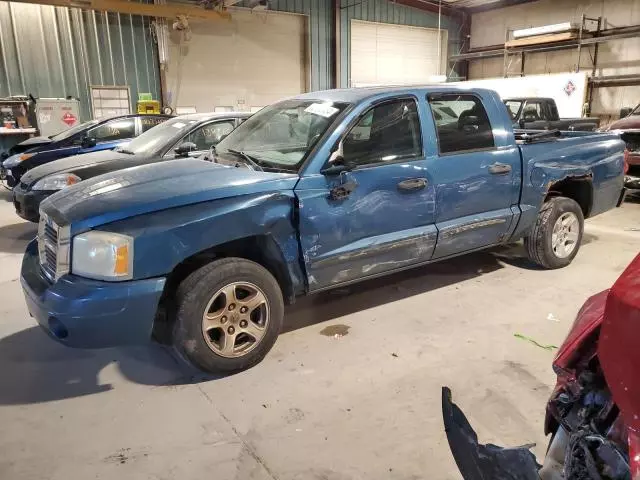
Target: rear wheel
[[556, 236], [229, 315]]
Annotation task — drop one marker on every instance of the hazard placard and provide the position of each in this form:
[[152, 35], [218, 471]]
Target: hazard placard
[[69, 118]]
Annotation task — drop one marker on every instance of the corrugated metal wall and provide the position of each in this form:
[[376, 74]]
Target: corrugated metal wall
[[70, 49], [56, 52], [385, 11], [321, 31]]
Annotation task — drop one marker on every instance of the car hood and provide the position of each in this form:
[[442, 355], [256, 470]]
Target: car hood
[[148, 188], [36, 141], [626, 123], [69, 164]]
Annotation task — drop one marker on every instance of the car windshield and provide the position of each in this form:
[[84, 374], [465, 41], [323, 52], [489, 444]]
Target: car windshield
[[636, 111], [73, 130], [282, 135], [158, 136], [514, 107]]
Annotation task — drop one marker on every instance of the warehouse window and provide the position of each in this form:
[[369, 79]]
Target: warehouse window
[[109, 101], [386, 133], [466, 125]]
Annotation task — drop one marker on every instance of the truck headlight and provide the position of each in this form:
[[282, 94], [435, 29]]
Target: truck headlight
[[102, 256], [56, 182], [14, 160]]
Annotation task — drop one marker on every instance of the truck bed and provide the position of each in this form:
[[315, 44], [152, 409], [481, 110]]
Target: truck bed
[[551, 157]]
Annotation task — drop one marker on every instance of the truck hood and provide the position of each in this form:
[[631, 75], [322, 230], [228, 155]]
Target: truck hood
[[154, 187], [69, 164]]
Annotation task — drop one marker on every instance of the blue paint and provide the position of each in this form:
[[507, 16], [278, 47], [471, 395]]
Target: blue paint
[[92, 314], [178, 209]]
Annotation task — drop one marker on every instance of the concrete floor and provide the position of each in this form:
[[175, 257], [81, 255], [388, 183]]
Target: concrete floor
[[362, 406]]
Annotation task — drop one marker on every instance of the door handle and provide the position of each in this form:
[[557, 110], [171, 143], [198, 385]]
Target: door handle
[[499, 169], [412, 184]]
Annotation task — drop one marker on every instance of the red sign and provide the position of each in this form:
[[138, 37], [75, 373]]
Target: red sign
[[570, 88], [69, 118]]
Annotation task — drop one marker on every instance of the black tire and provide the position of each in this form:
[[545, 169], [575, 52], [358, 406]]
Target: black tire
[[538, 243], [193, 296]]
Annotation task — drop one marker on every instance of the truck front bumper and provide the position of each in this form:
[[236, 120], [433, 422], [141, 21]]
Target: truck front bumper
[[85, 313]]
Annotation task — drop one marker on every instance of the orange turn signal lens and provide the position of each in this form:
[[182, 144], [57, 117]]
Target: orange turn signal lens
[[122, 260]]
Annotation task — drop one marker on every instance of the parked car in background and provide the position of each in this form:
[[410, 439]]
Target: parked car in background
[[181, 137], [317, 191], [91, 136], [542, 114], [593, 415], [628, 128]]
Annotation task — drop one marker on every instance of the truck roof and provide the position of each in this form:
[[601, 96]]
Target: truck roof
[[522, 99], [353, 95]]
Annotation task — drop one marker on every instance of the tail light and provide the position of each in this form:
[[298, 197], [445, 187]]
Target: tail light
[[627, 154]]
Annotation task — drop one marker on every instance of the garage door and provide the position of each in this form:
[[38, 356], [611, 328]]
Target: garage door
[[249, 62], [382, 53]]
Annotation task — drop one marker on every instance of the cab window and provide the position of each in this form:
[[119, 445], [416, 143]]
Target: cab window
[[467, 126], [386, 133]]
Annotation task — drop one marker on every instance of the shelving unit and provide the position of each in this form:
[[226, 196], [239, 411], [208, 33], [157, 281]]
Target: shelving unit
[[589, 34]]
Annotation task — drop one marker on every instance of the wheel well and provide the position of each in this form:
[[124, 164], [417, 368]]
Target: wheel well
[[261, 249], [579, 189]]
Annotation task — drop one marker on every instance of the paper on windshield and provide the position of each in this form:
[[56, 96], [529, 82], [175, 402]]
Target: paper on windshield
[[323, 109]]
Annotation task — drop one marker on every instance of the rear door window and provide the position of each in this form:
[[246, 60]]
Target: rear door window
[[465, 127], [148, 122], [119, 129], [209, 135]]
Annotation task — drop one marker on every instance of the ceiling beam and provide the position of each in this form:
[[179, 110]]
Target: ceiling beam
[[432, 6], [168, 10], [496, 5]]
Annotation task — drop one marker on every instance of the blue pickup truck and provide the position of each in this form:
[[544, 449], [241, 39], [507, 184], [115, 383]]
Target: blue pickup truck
[[320, 190]]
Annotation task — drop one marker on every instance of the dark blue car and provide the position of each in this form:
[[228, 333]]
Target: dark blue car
[[91, 136]]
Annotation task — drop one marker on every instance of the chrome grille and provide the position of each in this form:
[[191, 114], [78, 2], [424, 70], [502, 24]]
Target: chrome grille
[[53, 247]]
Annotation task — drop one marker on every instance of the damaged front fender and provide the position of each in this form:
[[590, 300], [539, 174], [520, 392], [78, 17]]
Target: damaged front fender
[[483, 462]]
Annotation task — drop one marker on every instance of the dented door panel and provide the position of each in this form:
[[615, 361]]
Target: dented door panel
[[377, 228]]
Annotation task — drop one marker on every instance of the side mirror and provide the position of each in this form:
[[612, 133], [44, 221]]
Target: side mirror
[[337, 163], [521, 122], [88, 142], [183, 149]]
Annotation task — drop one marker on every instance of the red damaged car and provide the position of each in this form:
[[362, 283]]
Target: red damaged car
[[593, 415], [629, 129]]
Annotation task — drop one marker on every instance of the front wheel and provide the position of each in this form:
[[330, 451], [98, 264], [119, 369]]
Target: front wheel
[[556, 236], [229, 315]]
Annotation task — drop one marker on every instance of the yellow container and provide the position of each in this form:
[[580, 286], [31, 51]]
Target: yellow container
[[148, 107]]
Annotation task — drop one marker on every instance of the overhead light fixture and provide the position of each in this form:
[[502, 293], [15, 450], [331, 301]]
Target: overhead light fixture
[[545, 30]]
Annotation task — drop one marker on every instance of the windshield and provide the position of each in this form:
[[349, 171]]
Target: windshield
[[282, 135], [514, 107], [158, 136], [636, 111], [73, 130]]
